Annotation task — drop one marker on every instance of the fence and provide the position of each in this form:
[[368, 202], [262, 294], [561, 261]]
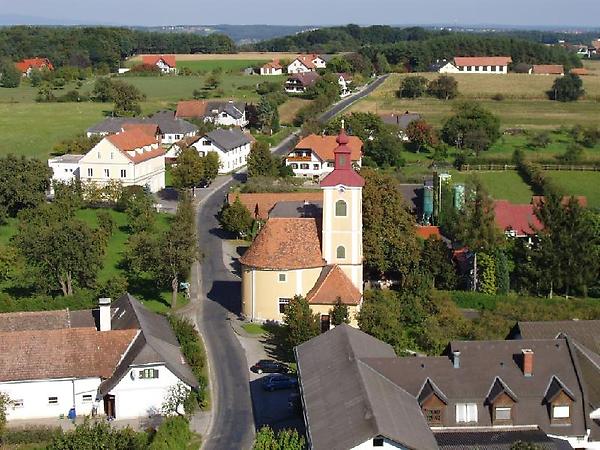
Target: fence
[[496, 167]]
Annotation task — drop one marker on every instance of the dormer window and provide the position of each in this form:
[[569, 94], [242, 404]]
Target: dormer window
[[559, 400], [561, 412], [501, 400], [433, 403]]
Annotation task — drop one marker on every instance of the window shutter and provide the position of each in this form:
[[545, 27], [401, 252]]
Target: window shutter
[[155, 373]]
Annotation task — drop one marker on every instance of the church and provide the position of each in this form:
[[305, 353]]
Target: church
[[309, 249]]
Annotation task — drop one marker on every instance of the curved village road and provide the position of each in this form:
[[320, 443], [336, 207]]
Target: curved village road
[[232, 424]]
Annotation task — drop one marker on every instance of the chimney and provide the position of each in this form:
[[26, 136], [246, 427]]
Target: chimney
[[104, 314], [456, 359], [527, 362]]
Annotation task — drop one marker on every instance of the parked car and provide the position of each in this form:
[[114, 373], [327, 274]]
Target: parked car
[[269, 366], [277, 382]]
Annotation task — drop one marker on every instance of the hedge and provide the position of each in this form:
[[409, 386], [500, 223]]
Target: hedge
[[30, 435], [172, 434]]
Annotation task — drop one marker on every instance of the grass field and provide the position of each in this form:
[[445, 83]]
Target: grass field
[[524, 106], [228, 65], [258, 56], [579, 183], [288, 110], [502, 185]]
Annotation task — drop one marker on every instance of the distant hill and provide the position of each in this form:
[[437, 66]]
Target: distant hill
[[16, 19]]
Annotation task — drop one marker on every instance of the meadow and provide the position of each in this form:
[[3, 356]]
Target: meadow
[[579, 183], [501, 185], [228, 65], [524, 104]]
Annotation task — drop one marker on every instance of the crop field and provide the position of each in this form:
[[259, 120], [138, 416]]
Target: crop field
[[579, 183], [524, 104], [227, 65], [288, 110]]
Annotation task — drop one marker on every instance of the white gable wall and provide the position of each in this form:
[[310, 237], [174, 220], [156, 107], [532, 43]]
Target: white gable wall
[[298, 67], [138, 397], [35, 394], [386, 444], [229, 161]]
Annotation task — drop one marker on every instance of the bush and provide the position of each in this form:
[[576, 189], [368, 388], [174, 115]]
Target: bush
[[99, 435], [30, 435], [444, 87], [412, 87], [567, 88], [194, 353], [498, 97], [172, 434]]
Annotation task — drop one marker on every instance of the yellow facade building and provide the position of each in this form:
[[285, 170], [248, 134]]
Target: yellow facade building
[[310, 250]]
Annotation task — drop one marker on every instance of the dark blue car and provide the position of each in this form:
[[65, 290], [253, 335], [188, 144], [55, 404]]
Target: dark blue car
[[277, 382]]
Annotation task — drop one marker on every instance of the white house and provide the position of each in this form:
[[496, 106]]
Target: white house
[[345, 81], [119, 360], [65, 168], [131, 157], [478, 64], [306, 63], [223, 113], [166, 63], [298, 83], [232, 146], [313, 157], [272, 68]]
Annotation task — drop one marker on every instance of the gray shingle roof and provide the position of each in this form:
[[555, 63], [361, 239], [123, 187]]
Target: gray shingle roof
[[495, 439], [586, 332], [166, 121], [227, 140], [234, 109], [156, 343], [347, 403], [400, 120]]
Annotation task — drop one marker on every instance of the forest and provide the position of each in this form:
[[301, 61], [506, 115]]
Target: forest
[[101, 46]]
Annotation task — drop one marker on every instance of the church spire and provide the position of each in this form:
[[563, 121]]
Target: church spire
[[343, 172]]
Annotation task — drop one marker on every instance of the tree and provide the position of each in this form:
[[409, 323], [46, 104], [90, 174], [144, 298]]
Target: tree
[[567, 88], [212, 82], [444, 87], [384, 150], [126, 98], [189, 170], [391, 249], [382, 64], [62, 251], [79, 145], [520, 445], [103, 90], [469, 124], [261, 162], [339, 313], [420, 134], [412, 87], [287, 439], [486, 274], [360, 124], [436, 261], [299, 322], [540, 139], [235, 218], [477, 226], [175, 399], [140, 211], [211, 165], [177, 248], [4, 404], [23, 183], [268, 115], [572, 154], [10, 76]]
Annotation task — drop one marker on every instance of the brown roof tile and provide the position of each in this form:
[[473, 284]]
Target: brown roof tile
[[153, 59], [191, 108], [579, 71], [324, 146], [260, 204], [132, 139], [286, 244], [482, 60], [332, 284], [548, 69], [151, 129], [70, 352]]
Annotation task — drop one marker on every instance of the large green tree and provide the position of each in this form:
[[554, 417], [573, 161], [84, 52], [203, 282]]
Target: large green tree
[[141, 214], [444, 87], [62, 251], [260, 162], [235, 218], [189, 170], [436, 263], [299, 323], [10, 76], [412, 87], [126, 98], [567, 88], [287, 439], [391, 249], [360, 124], [23, 182], [471, 126]]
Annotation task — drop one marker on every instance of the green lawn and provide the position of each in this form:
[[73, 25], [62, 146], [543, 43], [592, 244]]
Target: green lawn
[[504, 185], [579, 183], [227, 65], [253, 328]]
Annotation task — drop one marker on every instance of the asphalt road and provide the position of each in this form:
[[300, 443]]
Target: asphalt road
[[233, 421]]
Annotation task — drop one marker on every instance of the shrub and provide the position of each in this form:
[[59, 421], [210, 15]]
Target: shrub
[[99, 435], [412, 87], [173, 434], [30, 435], [444, 87], [498, 97], [567, 88]]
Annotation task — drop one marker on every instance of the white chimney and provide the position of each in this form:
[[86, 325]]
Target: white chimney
[[456, 359], [104, 314]]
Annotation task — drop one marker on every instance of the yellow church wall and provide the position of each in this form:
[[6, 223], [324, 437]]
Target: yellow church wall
[[265, 287], [325, 310]]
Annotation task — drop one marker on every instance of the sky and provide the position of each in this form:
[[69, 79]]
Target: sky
[[582, 13]]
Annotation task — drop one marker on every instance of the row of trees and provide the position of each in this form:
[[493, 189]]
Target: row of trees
[[101, 47], [444, 87]]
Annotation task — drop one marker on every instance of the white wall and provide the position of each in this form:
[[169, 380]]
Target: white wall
[[231, 160], [34, 395], [298, 67], [135, 397], [386, 444]]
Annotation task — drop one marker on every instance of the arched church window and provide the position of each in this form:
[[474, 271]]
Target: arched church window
[[341, 209], [341, 252]]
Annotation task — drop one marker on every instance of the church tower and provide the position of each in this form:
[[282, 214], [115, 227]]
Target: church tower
[[342, 214]]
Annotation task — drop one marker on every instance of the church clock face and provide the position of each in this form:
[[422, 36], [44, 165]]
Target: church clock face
[[341, 189]]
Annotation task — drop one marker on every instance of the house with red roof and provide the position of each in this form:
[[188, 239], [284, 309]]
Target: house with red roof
[[272, 68], [547, 69], [314, 156], [166, 63], [516, 220], [132, 157], [478, 64], [306, 63], [25, 66], [310, 250]]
